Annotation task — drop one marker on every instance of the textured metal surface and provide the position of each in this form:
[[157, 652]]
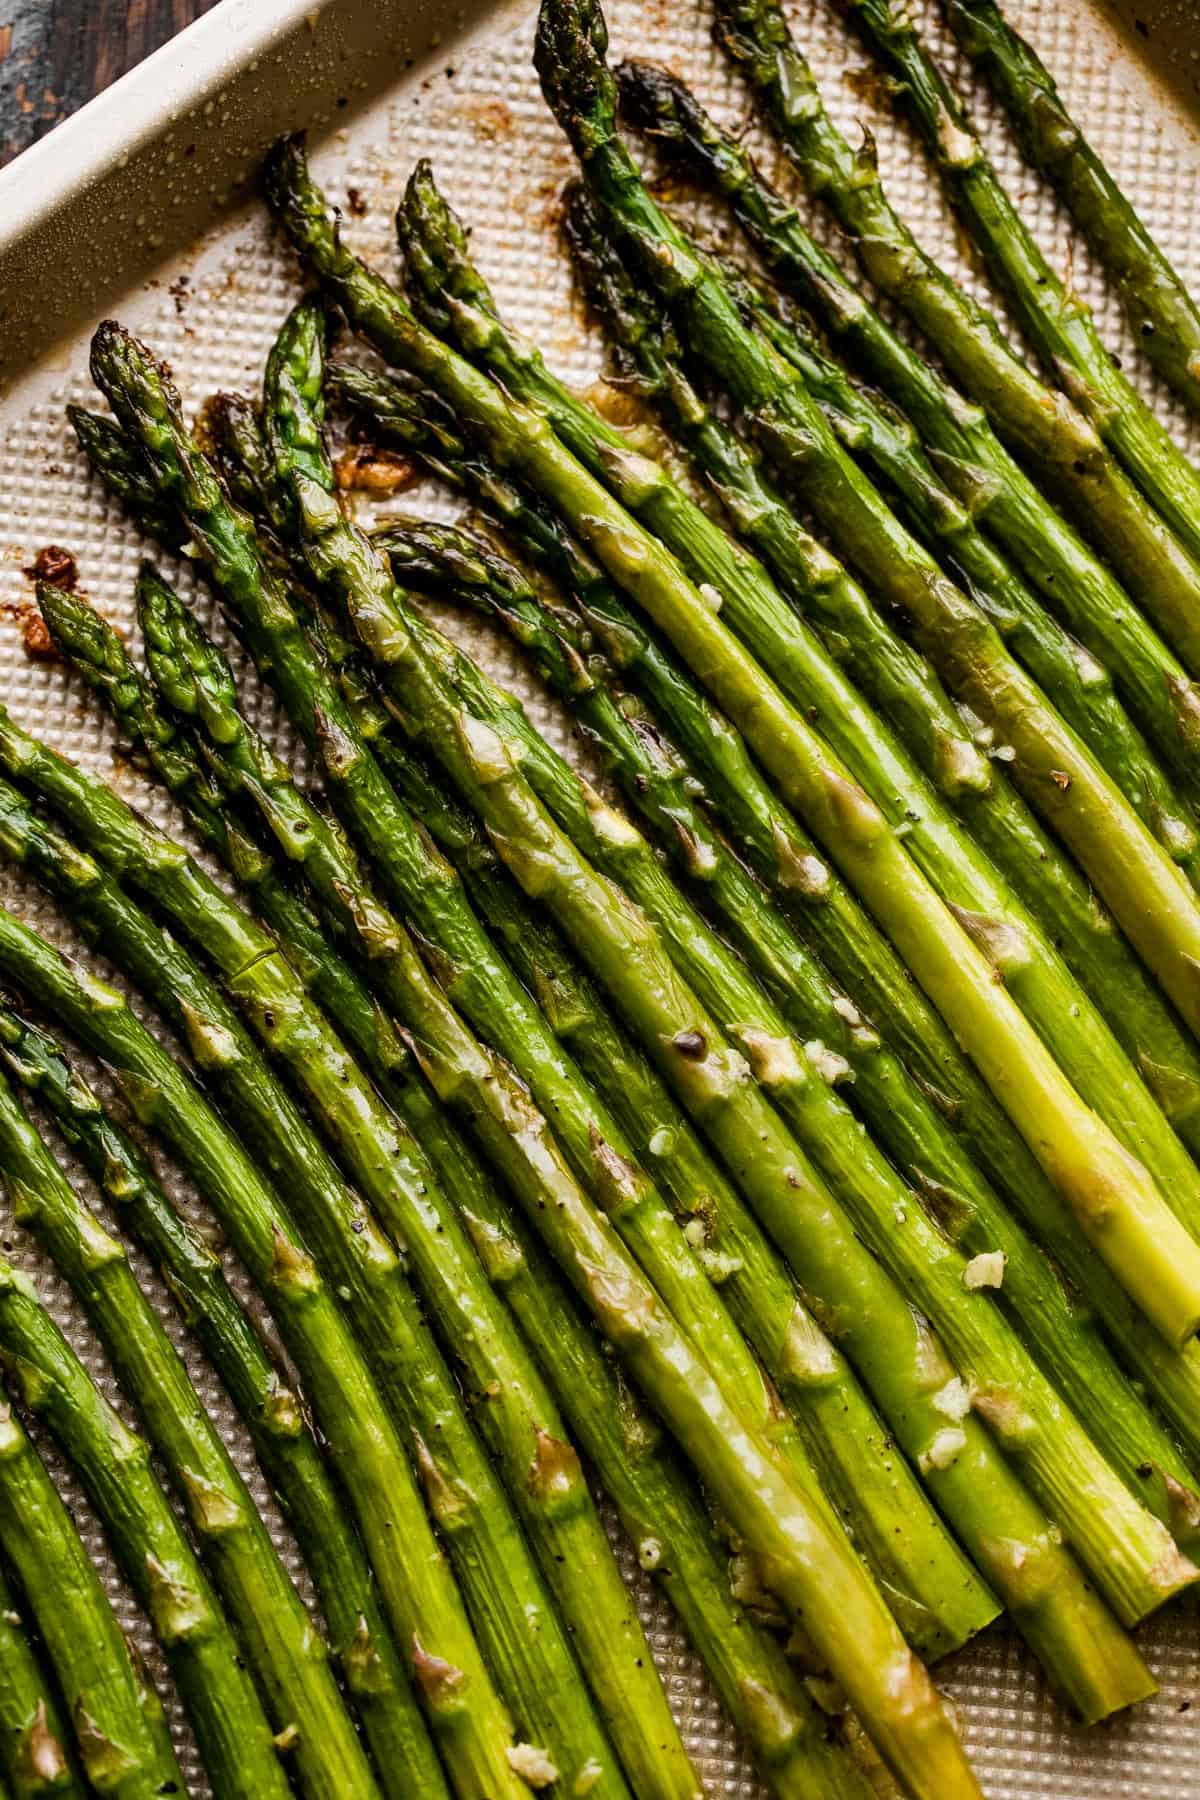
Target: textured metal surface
[[475, 109]]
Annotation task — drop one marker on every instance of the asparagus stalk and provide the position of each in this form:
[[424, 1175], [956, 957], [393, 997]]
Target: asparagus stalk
[[766, 1702], [913, 1119], [520, 1417], [669, 1017], [991, 689], [1162, 313], [1039, 424], [151, 1545], [1058, 323], [35, 1750], [613, 845], [477, 976], [286, 1657], [892, 1525], [811, 679], [1079, 687], [788, 1735], [482, 1529], [119, 1753], [1073, 582], [466, 1717], [813, 1009], [371, 1665], [1086, 1160], [1050, 764], [876, 1494], [811, 1566]]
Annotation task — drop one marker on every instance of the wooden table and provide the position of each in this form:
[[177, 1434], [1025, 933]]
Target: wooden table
[[55, 54]]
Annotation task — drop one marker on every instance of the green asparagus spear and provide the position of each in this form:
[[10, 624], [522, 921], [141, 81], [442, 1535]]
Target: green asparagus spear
[[1037, 423], [479, 977], [114, 1466], [875, 1492], [1162, 313], [119, 1753], [812, 680], [1051, 765], [1072, 582], [464, 1712], [1079, 687], [912, 1119], [371, 1664], [654, 782], [35, 1751], [668, 1016], [612, 844], [1057, 321], [887, 671], [780, 1523], [283, 1652], [1086, 1160], [768, 1705], [525, 1627]]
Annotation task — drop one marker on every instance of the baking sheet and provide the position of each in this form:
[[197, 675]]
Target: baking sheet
[[472, 104]]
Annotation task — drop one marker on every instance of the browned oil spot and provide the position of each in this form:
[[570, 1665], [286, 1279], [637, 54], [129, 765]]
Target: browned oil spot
[[55, 566], [870, 84], [488, 118], [36, 641], [366, 468]]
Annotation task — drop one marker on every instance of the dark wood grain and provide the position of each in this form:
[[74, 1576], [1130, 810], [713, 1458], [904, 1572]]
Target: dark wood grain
[[55, 54]]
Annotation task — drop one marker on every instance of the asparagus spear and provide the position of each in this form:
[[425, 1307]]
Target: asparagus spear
[[1162, 313], [1072, 582], [911, 1119], [758, 613], [157, 1558], [1058, 323], [465, 1715], [670, 1018], [991, 688], [371, 1665], [1078, 686], [119, 1753], [479, 977], [482, 1529], [35, 1751], [1052, 767], [286, 1656], [782, 1525], [876, 1494], [934, 942], [655, 783], [768, 1705], [612, 844], [1039, 424]]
